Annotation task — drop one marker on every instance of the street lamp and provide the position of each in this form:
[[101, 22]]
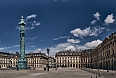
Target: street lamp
[[10, 63], [115, 63], [40, 59], [48, 58], [0, 63]]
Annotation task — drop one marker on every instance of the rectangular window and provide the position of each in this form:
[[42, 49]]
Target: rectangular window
[[113, 51], [113, 44]]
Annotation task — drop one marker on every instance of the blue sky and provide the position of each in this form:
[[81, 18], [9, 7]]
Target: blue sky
[[56, 24]]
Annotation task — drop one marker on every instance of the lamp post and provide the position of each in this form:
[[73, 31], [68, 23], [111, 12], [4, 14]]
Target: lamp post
[[40, 60], [0, 63], [10, 63], [115, 63], [48, 58], [55, 63], [98, 62]]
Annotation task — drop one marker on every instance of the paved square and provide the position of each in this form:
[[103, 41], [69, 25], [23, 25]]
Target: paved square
[[60, 73]]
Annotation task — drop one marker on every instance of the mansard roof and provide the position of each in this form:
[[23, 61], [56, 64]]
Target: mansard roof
[[68, 53]]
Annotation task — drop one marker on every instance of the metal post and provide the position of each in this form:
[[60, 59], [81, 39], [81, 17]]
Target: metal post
[[98, 62], [56, 66], [48, 58], [48, 61], [40, 60], [56, 63], [115, 58]]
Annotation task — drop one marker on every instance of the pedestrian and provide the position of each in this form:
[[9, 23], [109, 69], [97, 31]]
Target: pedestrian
[[44, 68], [17, 67]]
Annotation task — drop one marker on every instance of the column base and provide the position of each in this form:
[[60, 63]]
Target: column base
[[22, 63]]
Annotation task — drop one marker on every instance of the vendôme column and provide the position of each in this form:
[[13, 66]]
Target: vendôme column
[[22, 62]]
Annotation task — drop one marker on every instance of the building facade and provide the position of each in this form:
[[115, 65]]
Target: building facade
[[104, 55], [86, 58], [37, 60], [68, 59], [101, 57]]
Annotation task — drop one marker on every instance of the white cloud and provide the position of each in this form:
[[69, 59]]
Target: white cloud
[[32, 46], [18, 27], [37, 50], [96, 30], [30, 42], [61, 37], [93, 22], [29, 28], [1, 48], [4, 48], [93, 44], [32, 38], [63, 45], [15, 46], [11, 51], [57, 48], [97, 15], [81, 47], [55, 38], [35, 23], [107, 29], [109, 19], [73, 41], [31, 16], [38, 23], [70, 47], [67, 46], [26, 28], [87, 31], [79, 33]]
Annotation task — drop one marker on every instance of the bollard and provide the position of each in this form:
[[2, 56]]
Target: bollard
[[91, 76], [96, 75]]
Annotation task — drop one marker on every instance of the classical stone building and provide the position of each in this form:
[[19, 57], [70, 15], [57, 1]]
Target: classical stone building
[[37, 60], [101, 57], [86, 58], [8, 60], [104, 55], [68, 59]]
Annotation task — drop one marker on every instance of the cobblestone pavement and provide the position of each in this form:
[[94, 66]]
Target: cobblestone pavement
[[103, 73], [59, 73]]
